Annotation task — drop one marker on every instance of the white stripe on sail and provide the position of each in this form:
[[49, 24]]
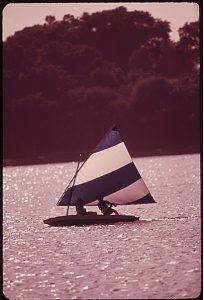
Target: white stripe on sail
[[135, 191], [103, 162]]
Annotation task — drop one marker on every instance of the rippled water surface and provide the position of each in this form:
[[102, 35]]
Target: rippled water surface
[[157, 257]]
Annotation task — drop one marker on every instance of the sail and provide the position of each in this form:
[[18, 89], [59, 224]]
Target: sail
[[109, 172]]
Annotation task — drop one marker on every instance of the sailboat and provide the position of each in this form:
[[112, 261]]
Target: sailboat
[[109, 173]]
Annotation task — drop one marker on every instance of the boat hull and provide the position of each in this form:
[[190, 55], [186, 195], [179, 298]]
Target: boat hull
[[76, 220]]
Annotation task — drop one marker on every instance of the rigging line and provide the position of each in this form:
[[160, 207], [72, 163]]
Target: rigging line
[[73, 179], [85, 160], [77, 169]]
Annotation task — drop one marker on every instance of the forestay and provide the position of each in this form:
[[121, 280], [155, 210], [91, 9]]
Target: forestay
[[109, 172]]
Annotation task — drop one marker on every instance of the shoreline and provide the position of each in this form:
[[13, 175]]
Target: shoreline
[[65, 157]]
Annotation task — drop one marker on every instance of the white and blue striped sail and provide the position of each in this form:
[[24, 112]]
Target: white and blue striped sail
[[109, 172]]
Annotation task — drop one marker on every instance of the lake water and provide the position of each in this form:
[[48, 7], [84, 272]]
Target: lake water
[[158, 257]]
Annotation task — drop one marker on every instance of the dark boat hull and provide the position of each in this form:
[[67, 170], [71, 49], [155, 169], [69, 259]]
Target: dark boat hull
[[88, 220]]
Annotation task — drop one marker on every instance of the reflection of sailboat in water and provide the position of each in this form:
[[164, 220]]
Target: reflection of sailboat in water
[[109, 173]]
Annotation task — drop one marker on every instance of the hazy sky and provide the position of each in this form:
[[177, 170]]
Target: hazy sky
[[16, 16]]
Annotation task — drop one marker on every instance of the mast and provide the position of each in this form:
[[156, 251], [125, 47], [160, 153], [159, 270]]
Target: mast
[[74, 179]]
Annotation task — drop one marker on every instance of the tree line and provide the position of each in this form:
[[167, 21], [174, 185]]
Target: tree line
[[66, 82]]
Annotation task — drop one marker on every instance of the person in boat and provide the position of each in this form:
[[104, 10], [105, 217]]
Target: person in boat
[[106, 207], [80, 209]]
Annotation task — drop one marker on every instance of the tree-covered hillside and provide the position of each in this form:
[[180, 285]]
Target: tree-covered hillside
[[66, 82]]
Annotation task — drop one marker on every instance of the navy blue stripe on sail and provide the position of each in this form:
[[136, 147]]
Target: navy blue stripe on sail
[[102, 186], [145, 200], [111, 139]]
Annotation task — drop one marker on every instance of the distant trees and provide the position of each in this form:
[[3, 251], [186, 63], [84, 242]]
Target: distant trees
[[65, 82], [116, 33], [50, 20], [189, 43]]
